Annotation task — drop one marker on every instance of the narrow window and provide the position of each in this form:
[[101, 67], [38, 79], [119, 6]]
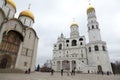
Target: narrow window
[[24, 20], [60, 46], [8, 13], [103, 47], [74, 43], [96, 48], [67, 45], [92, 26], [29, 35], [81, 43], [89, 49]]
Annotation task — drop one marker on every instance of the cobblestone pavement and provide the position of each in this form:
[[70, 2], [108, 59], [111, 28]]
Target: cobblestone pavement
[[56, 76]]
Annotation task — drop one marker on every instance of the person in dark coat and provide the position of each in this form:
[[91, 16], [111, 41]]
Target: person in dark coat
[[61, 72]]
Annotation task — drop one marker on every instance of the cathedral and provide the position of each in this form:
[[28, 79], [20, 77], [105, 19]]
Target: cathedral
[[18, 40], [74, 53]]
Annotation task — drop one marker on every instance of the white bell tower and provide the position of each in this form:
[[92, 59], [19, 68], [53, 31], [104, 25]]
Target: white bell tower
[[93, 25]]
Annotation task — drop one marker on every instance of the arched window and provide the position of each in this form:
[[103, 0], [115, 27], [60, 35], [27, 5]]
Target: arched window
[[92, 26], [74, 43], [103, 47], [67, 45], [96, 48], [60, 46], [81, 39], [81, 43], [89, 49], [67, 41]]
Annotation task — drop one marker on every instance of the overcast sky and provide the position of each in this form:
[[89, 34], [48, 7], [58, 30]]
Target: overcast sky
[[53, 17]]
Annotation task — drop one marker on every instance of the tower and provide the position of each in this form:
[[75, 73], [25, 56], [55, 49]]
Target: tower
[[97, 49], [93, 25], [74, 30]]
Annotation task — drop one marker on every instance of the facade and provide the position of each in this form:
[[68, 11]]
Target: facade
[[75, 54], [18, 40]]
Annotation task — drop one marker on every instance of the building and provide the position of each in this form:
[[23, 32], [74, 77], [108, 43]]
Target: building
[[18, 40], [75, 54]]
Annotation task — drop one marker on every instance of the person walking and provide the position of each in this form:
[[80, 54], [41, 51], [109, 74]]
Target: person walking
[[61, 72], [52, 72]]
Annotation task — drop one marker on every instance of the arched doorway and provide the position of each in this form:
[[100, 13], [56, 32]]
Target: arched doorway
[[9, 46], [66, 65], [100, 69], [5, 61]]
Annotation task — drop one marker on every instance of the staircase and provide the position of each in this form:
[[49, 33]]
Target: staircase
[[11, 71]]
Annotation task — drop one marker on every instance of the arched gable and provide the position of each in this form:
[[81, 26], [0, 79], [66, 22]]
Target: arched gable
[[33, 31], [13, 24]]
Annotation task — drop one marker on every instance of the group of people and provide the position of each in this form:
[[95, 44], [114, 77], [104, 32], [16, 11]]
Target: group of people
[[62, 71], [28, 71]]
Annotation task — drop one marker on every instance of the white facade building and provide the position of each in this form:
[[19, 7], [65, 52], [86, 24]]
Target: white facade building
[[18, 40], [75, 54]]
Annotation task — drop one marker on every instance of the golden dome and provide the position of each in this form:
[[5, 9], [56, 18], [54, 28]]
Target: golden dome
[[74, 24], [27, 13], [90, 9], [11, 3]]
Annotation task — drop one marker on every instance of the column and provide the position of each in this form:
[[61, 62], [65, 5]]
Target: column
[[61, 65], [70, 65]]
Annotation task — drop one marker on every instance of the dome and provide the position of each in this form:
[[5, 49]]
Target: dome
[[27, 13], [90, 9], [74, 24], [11, 3]]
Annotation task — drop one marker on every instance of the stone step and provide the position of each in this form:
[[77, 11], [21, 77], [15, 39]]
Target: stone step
[[11, 71]]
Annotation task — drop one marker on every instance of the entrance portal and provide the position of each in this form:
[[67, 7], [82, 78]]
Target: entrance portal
[[100, 69], [66, 65], [5, 62]]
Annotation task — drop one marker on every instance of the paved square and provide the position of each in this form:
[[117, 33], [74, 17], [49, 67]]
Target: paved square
[[56, 76]]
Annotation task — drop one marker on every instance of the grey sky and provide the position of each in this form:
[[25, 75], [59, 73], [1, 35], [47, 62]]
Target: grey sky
[[53, 17]]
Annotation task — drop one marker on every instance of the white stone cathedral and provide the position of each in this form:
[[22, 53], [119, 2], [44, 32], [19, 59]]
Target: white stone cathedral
[[75, 54], [18, 40]]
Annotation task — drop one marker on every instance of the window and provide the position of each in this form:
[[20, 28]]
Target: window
[[81, 39], [74, 43], [82, 55], [103, 47], [60, 46], [96, 48], [89, 49], [55, 46], [92, 26], [25, 63], [29, 35], [67, 41], [67, 45], [81, 43], [24, 20]]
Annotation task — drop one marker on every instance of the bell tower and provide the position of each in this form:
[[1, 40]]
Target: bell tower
[[93, 25]]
